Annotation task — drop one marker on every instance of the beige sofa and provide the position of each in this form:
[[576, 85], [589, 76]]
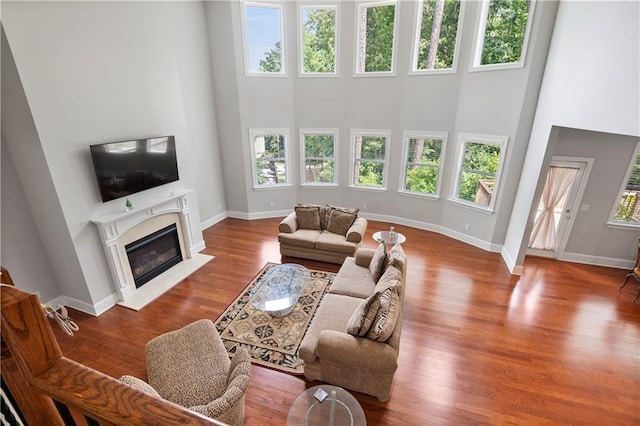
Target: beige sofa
[[357, 362], [325, 233]]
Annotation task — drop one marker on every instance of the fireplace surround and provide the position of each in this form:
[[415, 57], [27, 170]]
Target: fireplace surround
[[121, 229]]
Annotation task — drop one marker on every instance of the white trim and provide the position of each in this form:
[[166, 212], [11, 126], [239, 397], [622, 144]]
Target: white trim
[[479, 41], [317, 131], [611, 222], [510, 262], [253, 133], [358, 12], [411, 134], [247, 59], [336, 47], [609, 262], [376, 133], [213, 220], [463, 139], [413, 70]]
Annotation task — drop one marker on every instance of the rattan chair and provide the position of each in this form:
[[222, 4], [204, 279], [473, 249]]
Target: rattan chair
[[635, 274], [191, 367]]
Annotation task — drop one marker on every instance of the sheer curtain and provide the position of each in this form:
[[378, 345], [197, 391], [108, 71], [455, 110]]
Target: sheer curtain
[[559, 179]]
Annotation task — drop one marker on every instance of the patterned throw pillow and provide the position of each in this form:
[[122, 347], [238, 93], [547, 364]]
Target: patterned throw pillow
[[376, 267], [364, 315], [322, 210], [386, 317], [308, 217], [340, 222]]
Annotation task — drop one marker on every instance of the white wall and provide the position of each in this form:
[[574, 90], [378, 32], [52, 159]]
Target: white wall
[[590, 82], [102, 71]]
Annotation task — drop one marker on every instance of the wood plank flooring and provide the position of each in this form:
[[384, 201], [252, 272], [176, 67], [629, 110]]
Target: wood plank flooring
[[558, 345]]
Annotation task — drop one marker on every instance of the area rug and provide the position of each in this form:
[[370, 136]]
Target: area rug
[[272, 342]]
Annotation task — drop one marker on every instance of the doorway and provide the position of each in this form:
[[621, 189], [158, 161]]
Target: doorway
[[558, 205]]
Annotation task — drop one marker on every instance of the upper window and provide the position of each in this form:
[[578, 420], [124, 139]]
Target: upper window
[[270, 161], [626, 211], [369, 154], [504, 32], [264, 41], [480, 160], [436, 38], [318, 40], [318, 156], [375, 38], [423, 155]]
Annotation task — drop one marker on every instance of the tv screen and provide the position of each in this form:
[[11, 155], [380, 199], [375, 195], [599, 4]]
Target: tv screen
[[126, 167]]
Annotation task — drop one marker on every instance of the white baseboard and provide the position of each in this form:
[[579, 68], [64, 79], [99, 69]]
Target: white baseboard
[[259, 215], [81, 306], [212, 221], [609, 262], [476, 242], [511, 263]]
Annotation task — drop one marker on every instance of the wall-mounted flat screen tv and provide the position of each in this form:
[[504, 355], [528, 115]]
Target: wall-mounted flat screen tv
[[126, 167]]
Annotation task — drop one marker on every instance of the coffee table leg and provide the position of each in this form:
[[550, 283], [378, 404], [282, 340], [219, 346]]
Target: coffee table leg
[[333, 408]]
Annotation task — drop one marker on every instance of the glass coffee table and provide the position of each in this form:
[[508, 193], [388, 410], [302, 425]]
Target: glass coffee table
[[279, 289], [338, 408]]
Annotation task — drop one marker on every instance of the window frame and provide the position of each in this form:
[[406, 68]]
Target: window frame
[[611, 221], [413, 134], [480, 35], [358, 9], [253, 133], [247, 57], [463, 139], [303, 158], [413, 70], [301, 72], [375, 133]]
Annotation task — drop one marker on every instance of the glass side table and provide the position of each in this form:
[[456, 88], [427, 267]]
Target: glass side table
[[338, 408], [383, 237]]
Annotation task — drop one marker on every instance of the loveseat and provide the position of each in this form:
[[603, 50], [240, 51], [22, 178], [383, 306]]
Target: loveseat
[[325, 233], [354, 338]]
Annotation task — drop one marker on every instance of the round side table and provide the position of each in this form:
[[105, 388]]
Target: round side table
[[339, 408], [383, 237]]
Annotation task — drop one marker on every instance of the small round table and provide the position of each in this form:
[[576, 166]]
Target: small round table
[[279, 289], [339, 408], [383, 237]]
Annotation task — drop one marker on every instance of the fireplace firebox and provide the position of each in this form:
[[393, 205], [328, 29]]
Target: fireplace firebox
[[152, 255]]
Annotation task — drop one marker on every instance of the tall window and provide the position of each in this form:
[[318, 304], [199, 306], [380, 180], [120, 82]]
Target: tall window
[[504, 26], [369, 165], [423, 157], [436, 39], [480, 161], [319, 40], [318, 156], [626, 211], [264, 41], [375, 37], [270, 158]]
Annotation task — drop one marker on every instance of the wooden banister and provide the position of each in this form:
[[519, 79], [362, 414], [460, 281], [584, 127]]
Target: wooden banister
[[34, 351]]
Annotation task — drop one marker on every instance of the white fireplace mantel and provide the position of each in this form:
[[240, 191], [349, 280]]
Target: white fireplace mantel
[[113, 227]]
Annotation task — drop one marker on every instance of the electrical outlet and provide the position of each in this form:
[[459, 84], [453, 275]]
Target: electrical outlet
[[364, 206], [272, 204], [466, 227]]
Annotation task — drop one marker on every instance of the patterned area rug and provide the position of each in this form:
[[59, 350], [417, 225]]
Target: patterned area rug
[[272, 342]]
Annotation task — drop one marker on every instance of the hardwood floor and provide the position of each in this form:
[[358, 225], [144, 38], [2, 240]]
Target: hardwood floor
[[558, 345]]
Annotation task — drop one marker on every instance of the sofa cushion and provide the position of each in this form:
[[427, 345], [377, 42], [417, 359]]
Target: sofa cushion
[[386, 315], [334, 242], [300, 238], [308, 217], [340, 222], [332, 314], [322, 212], [353, 280], [364, 316], [377, 264], [391, 277]]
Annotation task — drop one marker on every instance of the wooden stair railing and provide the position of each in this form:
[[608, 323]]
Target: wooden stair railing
[[50, 389]]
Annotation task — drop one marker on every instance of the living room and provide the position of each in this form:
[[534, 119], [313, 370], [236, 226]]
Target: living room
[[79, 73]]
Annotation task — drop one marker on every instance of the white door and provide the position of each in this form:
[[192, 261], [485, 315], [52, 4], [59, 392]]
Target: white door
[[557, 205]]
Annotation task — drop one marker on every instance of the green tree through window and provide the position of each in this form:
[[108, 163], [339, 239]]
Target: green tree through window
[[439, 27], [319, 158], [628, 207], [270, 158], [505, 31], [422, 165], [478, 172], [375, 38], [369, 160], [318, 40]]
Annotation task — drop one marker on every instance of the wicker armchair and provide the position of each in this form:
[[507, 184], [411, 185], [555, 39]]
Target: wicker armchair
[[190, 367]]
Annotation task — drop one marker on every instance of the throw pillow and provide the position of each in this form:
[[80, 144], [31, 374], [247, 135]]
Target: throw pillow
[[308, 217], [343, 209], [386, 317], [322, 210], [377, 264], [364, 315], [340, 222], [390, 277], [395, 257]]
